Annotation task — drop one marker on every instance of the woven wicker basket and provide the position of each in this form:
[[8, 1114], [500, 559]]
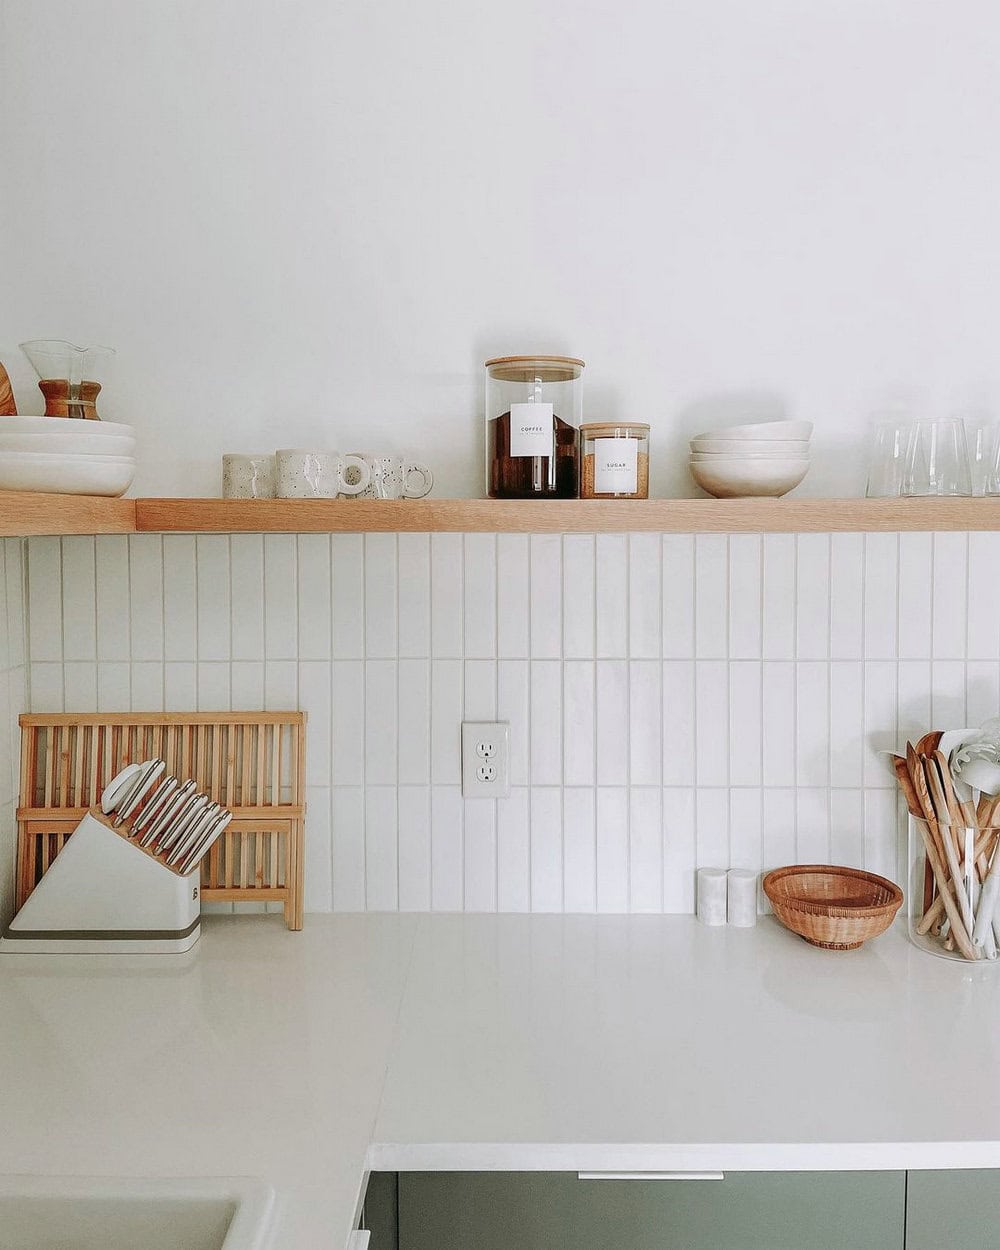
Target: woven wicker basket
[[836, 908]]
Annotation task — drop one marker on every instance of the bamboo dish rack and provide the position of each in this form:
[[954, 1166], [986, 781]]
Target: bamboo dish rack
[[249, 762]]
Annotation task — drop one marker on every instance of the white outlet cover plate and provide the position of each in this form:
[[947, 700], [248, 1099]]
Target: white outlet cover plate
[[485, 743]]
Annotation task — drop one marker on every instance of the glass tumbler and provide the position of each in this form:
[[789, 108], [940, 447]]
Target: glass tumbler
[[887, 460], [959, 859], [984, 458], [937, 459]]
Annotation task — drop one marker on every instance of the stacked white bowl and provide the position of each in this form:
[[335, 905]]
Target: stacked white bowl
[[66, 456], [766, 458]]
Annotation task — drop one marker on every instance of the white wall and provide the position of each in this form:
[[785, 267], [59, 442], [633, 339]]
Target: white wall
[[312, 222]]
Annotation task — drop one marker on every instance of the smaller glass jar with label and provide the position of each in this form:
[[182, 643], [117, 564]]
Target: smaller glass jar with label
[[615, 460]]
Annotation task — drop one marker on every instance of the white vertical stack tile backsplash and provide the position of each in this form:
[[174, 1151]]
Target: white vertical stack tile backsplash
[[13, 697], [674, 700]]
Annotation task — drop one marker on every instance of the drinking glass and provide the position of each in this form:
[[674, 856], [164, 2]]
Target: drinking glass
[[937, 459], [984, 457], [887, 460]]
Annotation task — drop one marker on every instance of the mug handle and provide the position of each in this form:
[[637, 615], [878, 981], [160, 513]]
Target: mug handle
[[414, 466], [364, 475]]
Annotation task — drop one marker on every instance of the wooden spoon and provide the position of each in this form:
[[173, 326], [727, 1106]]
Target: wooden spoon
[[8, 408]]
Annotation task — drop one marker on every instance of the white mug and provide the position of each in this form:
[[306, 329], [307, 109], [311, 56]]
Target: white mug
[[392, 477], [319, 474], [247, 477]]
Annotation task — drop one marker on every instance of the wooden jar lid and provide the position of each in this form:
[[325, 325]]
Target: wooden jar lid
[[527, 368], [615, 429]]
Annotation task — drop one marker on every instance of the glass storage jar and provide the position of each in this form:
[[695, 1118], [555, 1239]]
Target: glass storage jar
[[615, 463], [533, 409], [962, 855]]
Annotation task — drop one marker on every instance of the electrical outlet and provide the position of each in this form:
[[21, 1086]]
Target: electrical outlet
[[485, 759]]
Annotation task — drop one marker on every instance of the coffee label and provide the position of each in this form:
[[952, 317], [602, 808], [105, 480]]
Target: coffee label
[[616, 466], [531, 429]]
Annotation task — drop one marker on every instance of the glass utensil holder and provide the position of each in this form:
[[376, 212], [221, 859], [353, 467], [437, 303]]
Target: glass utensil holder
[[952, 889]]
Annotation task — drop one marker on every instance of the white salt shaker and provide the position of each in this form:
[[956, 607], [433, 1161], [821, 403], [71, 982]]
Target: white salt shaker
[[742, 897], [712, 895]]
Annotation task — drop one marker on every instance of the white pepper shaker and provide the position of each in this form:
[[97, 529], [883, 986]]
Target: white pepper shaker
[[712, 896], [742, 897]]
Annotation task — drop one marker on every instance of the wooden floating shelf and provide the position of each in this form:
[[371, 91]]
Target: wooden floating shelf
[[27, 514]]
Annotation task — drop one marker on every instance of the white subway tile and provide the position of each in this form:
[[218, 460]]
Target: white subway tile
[[314, 581], [779, 597], [447, 869], [214, 609], [847, 720], [446, 595], [711, 582], [812, 596], [180, 686], [745, 596], [113, 689], [546, 723], [446, 722], [247, 685], [513, 705], [778, 723], [281, 686], [644, 597], [645, 843], [246, 565], [145, 595], [913, 702], [318, 869], [14, 588], [45, 612], [381, 883], [678, 723], [546, 596], [180, 598], [712, 813], [983, 641], [579, 601], [381, 607], [578, 723], [213, 685], [679, 841], [579, 850], [812, 825], [612, 849], [847, 571], [79, 604], [147, 686], [982, 691], [480, 690], [414, 848], [847, 828], [79, 685], [480, 866], [712, 712], [746, 835], [779, 830], [414, 594], [546, 849], [745, 745], [678, 596], [881, 832], [480, 595], [348, 848], [915, 587], [948, 695], [611, 595], [645, 719], [513, 596], [812, 723], [414, 726], [881, 577], [380, 724], [347, 718], [612, 722], [514, 852], [950, 596], [880, 722], [348, 597], [315, 700]]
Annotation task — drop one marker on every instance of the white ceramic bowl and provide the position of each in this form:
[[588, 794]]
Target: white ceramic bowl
[[66, 475], [738, 477], [711, 457], [758, 446], [76, 444], [763, 429], [64, 425]]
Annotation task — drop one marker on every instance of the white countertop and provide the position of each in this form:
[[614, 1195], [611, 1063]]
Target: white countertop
[[465, 1042]]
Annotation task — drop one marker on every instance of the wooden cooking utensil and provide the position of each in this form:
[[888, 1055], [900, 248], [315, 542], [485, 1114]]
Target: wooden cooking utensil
[[8, 408]]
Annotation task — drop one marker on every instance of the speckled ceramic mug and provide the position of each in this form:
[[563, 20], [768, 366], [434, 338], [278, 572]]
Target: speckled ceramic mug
[[247, 477], [392, 477], [319, 474]]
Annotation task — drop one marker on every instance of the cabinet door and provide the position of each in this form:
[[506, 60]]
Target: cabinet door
[[953, 1209], [745, 1211]]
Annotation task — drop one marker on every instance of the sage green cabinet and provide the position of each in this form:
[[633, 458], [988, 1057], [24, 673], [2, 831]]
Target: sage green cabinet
[[744, 1211], [953, 1209]]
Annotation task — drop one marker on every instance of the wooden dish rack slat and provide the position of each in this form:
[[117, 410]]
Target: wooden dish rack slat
[[251, 762]]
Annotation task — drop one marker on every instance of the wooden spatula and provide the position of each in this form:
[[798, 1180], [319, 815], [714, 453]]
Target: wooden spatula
[[8, 408]]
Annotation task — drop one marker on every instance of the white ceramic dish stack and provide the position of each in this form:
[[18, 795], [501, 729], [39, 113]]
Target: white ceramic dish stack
[[769, 458], [66, 456]]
